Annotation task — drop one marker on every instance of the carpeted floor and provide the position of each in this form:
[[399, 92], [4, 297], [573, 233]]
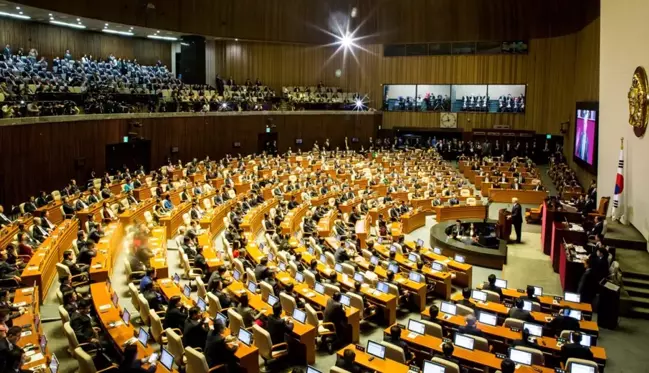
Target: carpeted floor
[[526, 264]]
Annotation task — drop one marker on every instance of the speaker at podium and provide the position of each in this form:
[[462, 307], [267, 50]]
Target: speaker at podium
[[504, 224]]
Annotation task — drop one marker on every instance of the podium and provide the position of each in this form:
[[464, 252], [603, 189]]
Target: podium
[[504, 225]]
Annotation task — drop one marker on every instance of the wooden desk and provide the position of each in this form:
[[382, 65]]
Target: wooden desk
[[212, 221], [326, 223], [175, 219], [524, 196], [549, 303], [119, 333], [27, 296], [413, 220], [143, 193], [251, 222], [158, 245], [348, 207], [376, 364], [136, 212], [292, 220], [305, 333], [362, 230], [589, 327], [248, 356], [468, 357], [108, 249], [444, 213], [41, 268], [463, 272], [560, 234], [95, 210], [383, 210]]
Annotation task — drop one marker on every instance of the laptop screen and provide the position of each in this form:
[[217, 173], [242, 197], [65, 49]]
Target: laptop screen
[[176, 279], [413, 257], [437, 266], [448, 308], [187, 291], [143, 337], [252, 287], [586, 340], [488, 318], [527, 305], [323, 258], [358, 277], [464, 341], [338, 268], [572, 297], [126, 316], [437, 251], [201, 304], [299, 277], [575, 314], [282, 266], [166, 359], [501, 283], [374, 260], [520, 357], [115, 300], [311, 250], [271, 257], [299, 316], [535, 330], [222, 319], [394, 268], [272, 299], [311, 369], [382, 287], [420, 242], [416, 327], [43, 343], [54, 364], [459, 258], [376, 349], [344, 299], [236, 274], [538, 291], [479, 295], [245, 337], [319, 288], [430, 367], [581, 368], [414, 276]]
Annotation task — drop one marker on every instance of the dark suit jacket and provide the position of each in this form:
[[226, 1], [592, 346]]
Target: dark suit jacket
[[175, 318], [194, 334], [464, 329], [495, 289], [575, 350], [517, 216], [217, 351], [277, 327], [519, 314], [82, 326], [85, 256], [561, 322], [335, 314]]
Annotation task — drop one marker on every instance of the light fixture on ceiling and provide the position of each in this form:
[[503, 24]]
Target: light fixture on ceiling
[[73, 25], [124, 33], [14, 15], [159, 37]]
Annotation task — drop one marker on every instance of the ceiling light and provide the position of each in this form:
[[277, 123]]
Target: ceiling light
[[170, 38], [14, 15], [50, 14], [106, 24], [157, 32], [236, 39], [125, 33], [17, 8], [354, 12], [20, 12], [59, 23], [78, 19]]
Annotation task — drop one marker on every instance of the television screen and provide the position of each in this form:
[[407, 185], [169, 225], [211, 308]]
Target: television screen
[[507, 98], [399, 97], [585, 145], [469, 98], [433, 97]]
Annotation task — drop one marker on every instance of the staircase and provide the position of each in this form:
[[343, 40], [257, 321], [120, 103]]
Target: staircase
[[637, 285]]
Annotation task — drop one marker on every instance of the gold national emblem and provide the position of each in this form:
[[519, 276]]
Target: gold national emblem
[[638, 100]]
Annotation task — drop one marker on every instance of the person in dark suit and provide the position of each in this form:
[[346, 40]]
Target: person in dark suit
[[201, 263], [575, 349], [156, 303], [598, 228], [334, 313], [176, 314], [395, 339], [194, 330], [491, 285], [247, 313], [507, 366], [347, 362], [75, 268], [87, 253], [341, 255], [470, 327], [530, 294], [81, 323], [261, 270], [524, 341], [563, 322], [276, 326], [4, 220], [10, 353], [131, 364], [587, 288], [466, 295], [220, 349], [68, 209], [447, 353], [517, 219], [457, 228], [519, 313]]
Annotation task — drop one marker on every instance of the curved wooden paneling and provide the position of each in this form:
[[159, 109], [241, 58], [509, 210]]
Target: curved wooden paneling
[[52, 41], [41, 156], [403, 21]]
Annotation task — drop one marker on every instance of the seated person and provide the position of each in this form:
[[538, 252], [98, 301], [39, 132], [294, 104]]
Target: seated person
[[347, 362], [395, 339], [155, 299], [491, 285], [470, 327], [220, 349], [75, 268], [195, 329], [447, 353], [507, 366], [530, 294], [575, 349], [466, 295], [276, 326], [563, 322], [525, 340], [519, 313], [176, 314], [248, 314]]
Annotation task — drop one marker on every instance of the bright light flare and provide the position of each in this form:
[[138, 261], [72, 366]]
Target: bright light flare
[[361, 103]]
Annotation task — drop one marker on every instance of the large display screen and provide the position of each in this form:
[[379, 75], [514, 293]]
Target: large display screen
[[433, 97], [506, 98], [399, 97], [585, 145], [470, 97]]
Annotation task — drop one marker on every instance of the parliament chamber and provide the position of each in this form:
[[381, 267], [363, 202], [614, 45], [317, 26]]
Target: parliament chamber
[[331, 186]]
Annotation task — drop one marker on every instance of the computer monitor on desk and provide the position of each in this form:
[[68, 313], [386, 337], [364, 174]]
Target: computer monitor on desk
[[520, 357], [572, 297], [535, 330], [479, 295], [166, 359], [416, 327], [464, 341], [581, 368], [501, 283], [430, 367], [375, 349], [448, 308]]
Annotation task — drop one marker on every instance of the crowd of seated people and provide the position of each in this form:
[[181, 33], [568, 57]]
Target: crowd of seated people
[[304, 97], [455, 148]]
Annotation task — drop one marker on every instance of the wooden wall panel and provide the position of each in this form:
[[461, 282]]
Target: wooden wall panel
[[42, 156], [299, 21], [52, 41]]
